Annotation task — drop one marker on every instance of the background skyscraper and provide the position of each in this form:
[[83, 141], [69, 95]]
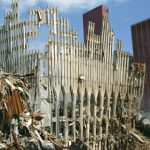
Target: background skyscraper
[[96, 16], [141, 50]]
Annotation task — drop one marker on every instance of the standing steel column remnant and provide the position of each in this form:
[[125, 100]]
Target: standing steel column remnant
[[88, 90]]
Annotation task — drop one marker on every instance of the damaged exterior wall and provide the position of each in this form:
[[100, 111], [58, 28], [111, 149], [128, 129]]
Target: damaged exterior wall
[[91, 91]]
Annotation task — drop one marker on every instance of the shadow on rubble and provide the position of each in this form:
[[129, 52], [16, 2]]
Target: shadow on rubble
[[78, 145], [144, 126]]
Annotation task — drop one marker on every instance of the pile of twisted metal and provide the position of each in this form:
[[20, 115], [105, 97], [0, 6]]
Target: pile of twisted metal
[[20, 127]]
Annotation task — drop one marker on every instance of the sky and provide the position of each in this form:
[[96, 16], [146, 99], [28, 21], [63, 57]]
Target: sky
[[123, 13]]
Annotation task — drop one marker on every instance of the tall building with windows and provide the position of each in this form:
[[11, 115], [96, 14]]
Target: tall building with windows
[[96, 16], [141, 49]]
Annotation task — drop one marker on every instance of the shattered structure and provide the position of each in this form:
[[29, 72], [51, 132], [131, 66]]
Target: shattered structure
[[20, 127], [88, 91]]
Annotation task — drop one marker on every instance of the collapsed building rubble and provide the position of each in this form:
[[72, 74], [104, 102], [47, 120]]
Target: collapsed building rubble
[[89, 92], [20, 127]]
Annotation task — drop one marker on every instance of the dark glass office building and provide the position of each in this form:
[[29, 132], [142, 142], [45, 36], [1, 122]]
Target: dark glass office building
[[141, 50]]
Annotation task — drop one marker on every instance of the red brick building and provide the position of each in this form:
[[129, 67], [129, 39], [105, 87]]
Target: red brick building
[[95, 15], [141, 50]]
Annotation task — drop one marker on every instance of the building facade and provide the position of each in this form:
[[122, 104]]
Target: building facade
[[141, 50], [85, 89]]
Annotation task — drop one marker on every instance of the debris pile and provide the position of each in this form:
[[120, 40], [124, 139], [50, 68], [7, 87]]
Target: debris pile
[[140, 141], [20, 128]]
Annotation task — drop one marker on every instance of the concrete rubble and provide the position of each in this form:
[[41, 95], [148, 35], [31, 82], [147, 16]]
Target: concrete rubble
[[20, 127]]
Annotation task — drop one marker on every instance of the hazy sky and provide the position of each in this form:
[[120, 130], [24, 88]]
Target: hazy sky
[[123, 13]]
